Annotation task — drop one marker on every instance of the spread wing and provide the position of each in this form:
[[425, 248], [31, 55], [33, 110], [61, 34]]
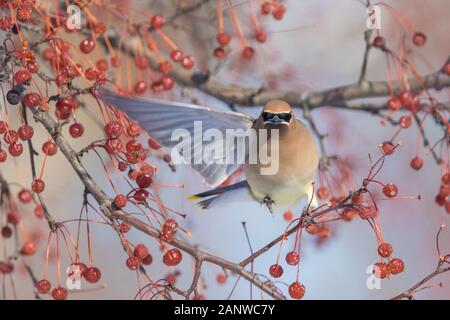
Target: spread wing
[[161, 119]]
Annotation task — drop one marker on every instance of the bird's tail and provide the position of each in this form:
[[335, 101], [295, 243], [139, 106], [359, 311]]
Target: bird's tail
[[209, 197]]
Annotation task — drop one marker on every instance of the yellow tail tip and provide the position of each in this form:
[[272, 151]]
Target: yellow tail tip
[[194, 197]]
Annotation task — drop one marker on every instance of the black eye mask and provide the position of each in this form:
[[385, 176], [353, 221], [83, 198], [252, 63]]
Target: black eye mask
[[286, 117]]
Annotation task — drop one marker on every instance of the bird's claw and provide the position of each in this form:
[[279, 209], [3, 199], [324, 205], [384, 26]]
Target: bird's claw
[[269, 203]]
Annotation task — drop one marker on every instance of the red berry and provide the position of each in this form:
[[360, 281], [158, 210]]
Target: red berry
[[15, 149], [296, 290], [405, 122], [379, 42], [147, 260], [140, 87], [49, 148], [120, 201], [165, 67], [172, 257], [261, 36], [22, 77], [124, 227], [6, 23], [266, 8], [39, 211], [37, 185], [59, 293], [102, 65], [28, 248], [43, 286], [387, 148], [76, 130], [323, 193], [3, 155], [140, 195], [419, 39], [278, 12], [167, 158], [394, 103], [113, 146], [248, 52], [141, 251], [11, 136], [276, 270], [3, 127], [416, 163], [133, 263], [221, 278], [380, 270], [87, 46], [288, 215], [385, 250], [445, 179], [25, 196], [25, 132], [62, 79], [219, 53], [24, 13], [292, 258], [6, 232], [91, 73], [390, 190], [223, 38], [157, 21], [134, 130], [441, 200], [167, 82], [113, 129], [142, 62], [92, 275], [409, 100], [187, 62], [32, 99], [176, 55], [13, 217], [144, 180], [6, 267], [116, 61], [33, 66], [396, 266], [153, 144]]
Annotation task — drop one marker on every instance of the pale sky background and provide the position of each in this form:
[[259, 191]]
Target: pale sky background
[[321, 43]]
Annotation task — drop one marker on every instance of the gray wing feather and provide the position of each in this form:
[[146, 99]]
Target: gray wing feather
[[160, 118]]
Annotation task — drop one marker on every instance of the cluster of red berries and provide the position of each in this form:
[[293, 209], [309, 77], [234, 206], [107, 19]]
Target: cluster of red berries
[[296, 289], [407, 100], [91, 275], [419, 39], [394, 266], [141, 255], [443, 197], [224, 38]]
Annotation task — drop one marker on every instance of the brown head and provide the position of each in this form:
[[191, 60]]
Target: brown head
[[277, 113]]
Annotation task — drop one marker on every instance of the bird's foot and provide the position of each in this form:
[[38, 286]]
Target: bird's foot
[[269, 203], [306, 216]]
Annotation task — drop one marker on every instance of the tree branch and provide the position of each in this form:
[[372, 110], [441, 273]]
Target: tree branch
[[105, 206]]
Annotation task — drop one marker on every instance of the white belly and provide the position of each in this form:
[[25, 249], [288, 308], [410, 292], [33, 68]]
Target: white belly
[[287, 192]]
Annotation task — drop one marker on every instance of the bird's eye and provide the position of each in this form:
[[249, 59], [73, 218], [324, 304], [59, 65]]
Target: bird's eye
[[266, 116], [285, 116]]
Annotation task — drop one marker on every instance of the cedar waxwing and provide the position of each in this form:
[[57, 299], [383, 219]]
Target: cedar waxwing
[[297, 158]]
